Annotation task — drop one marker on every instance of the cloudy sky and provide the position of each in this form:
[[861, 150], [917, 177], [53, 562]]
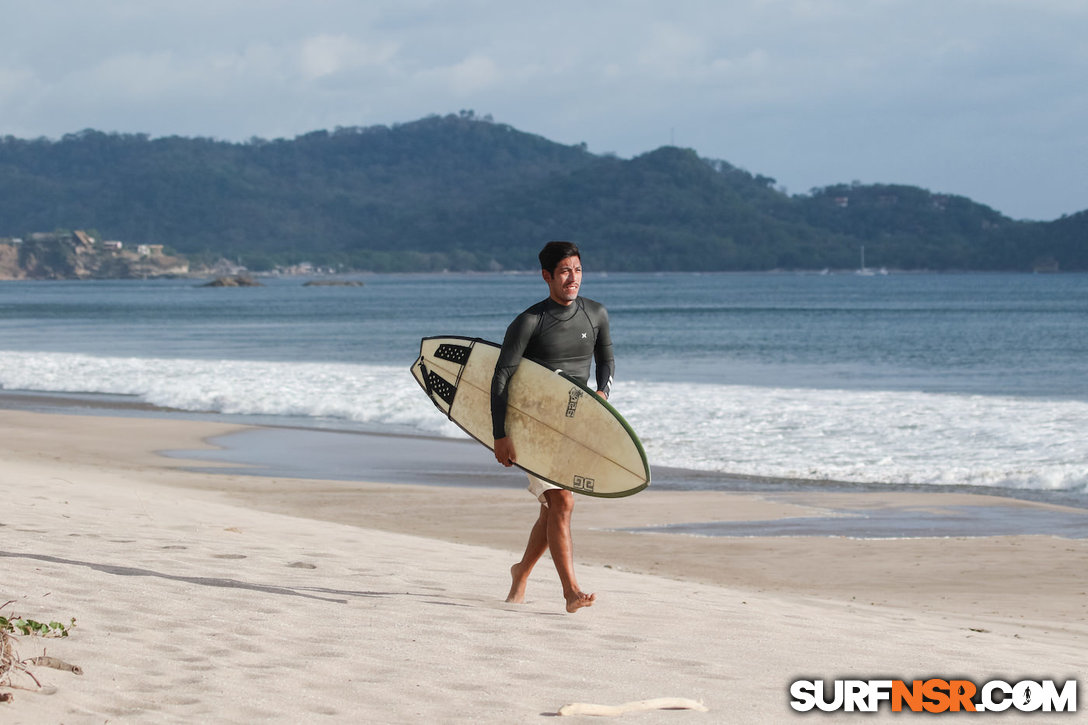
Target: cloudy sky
[[984, 98]]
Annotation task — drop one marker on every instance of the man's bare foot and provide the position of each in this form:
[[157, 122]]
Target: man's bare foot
[[577, 600], [520, 579]]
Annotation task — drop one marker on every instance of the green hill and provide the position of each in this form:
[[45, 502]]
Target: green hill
[[462, 192]]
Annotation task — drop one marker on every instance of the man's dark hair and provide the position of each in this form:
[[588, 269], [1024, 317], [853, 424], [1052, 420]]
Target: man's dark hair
[[555, 252]]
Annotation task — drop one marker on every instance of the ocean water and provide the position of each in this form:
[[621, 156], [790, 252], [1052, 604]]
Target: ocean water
[[943, 380]]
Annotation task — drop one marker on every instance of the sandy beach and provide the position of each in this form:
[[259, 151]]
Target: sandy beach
[[211, 596]]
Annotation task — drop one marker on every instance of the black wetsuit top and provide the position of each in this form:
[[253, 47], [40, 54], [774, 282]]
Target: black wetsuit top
[[567, 338]]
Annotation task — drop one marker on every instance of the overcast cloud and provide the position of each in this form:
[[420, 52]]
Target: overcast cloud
[[984, 98]]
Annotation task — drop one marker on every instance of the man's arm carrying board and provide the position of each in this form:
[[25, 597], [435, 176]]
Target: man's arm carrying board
[[565, 433]]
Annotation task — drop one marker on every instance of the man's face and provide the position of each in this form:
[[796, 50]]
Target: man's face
[[563, 284]]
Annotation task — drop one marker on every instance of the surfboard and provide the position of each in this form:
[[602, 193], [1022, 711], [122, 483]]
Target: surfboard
[[564, 432]]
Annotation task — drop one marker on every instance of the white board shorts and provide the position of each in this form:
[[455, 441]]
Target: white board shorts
[[539, 487]]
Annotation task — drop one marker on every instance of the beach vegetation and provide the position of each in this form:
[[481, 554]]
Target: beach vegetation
[[11, 663], [32, 627], [27, 626]]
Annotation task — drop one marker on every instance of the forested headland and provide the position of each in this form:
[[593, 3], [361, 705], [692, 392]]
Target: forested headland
[[461, 192]]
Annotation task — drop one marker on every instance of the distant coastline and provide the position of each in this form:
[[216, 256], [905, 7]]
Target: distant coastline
[[461, 193], [77, 255]]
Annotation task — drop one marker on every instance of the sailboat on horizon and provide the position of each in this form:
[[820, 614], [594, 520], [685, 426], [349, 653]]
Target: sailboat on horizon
[[865, 271]]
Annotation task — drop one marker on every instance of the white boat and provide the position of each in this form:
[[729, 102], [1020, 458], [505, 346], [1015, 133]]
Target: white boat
[[863, 270]]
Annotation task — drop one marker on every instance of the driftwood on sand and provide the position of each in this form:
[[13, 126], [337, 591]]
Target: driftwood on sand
[[659, 703], [56, 664]]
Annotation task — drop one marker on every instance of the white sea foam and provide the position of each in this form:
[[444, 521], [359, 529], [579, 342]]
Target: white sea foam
[[863, 436], [365, 394], [874, 436]]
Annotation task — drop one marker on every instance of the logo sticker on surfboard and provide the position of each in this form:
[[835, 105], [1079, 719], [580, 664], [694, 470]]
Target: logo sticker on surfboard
[[572, 404], [583, 484]]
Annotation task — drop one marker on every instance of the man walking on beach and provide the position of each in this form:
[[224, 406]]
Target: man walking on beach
[[564, 332]]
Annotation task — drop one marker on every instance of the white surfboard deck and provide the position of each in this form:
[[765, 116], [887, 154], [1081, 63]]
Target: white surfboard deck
[[563, 432]]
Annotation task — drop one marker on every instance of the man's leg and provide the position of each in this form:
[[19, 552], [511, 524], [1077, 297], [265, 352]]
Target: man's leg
[[558, 512], [534, 549]]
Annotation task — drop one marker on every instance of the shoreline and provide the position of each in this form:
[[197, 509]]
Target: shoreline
[[235, 597], [257, 447], [616, 532]]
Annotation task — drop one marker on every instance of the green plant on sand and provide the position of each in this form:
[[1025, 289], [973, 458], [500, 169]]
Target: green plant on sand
[[11, 663]]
